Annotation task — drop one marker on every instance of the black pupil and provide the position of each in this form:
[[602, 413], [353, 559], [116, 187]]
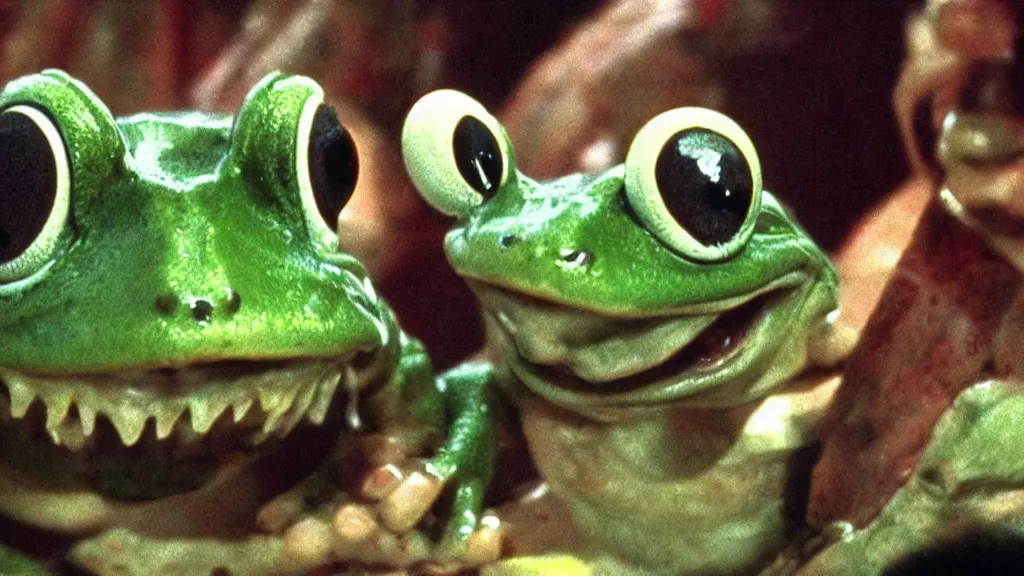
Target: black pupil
[[477, 155], [28, 183], [705, 183], [333, 164]]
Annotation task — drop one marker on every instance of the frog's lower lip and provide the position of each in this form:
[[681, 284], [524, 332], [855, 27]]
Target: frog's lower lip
[[708, 346], [189, 417]]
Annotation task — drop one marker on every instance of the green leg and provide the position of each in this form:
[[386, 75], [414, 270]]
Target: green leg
[[467, 458]]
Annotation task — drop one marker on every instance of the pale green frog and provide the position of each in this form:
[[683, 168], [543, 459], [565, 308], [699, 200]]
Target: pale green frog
[[180, 338], [655, 321]]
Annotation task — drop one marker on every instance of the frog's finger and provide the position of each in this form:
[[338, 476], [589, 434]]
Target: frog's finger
[[465, 515], [354, 523], [483, 548], [309, 542], [358, 537], [408, 502], [471, 538], [280, 513], [381, 481], [485, 545]]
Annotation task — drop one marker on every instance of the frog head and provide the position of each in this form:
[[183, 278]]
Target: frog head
[[171, 290], [671, 279]]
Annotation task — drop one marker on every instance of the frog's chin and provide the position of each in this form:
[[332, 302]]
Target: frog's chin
[[151, 433], [607, 367]]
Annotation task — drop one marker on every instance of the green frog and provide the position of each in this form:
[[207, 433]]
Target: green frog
[[181, 339], [656, 326]]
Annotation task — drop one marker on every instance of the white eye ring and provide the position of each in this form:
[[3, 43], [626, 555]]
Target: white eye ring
[[39, 253], [648, 201], [322, 225], [429, 139]]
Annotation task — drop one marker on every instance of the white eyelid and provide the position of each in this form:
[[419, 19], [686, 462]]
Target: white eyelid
[[642, 186], [319, 229], [427, 150], [36, 257]]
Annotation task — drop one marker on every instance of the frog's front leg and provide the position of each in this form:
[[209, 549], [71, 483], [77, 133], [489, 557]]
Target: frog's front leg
[[465, 462], [373, 503]]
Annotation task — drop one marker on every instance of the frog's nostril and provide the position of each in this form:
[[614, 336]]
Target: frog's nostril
[[202, 310], [165, 304], [507, 240], [573, 258], [233, 301]]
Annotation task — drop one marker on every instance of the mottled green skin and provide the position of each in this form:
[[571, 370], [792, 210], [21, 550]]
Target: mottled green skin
[[658, 470], [172, 205], [172, 208], [631, 272]]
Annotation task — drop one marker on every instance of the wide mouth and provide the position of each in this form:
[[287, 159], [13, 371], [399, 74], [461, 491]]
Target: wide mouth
[[154, 432], [578, 355]]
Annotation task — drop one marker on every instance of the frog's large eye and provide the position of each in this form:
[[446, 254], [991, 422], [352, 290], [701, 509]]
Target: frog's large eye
[[35, 187], [694, 180], [456, 153], [328, 167]]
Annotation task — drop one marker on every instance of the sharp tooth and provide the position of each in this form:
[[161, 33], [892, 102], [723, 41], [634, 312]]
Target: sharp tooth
[[69, 435], [239, 410], [318, 413], [204, 413], [129, 424], [57, 407], [166, 421], [282, 401], [21, 398], [269, 397], [87, 415], [299, 408]]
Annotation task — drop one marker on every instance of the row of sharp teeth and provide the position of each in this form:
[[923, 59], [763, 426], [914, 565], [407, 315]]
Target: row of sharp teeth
[[285, 398]]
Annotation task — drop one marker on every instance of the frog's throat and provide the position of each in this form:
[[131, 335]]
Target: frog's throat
[[720, 354], [267, 399]]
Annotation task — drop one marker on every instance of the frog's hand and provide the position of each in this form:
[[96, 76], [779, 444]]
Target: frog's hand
[[465, 462]]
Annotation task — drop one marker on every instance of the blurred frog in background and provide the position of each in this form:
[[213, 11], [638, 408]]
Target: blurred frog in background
[[920, 469]]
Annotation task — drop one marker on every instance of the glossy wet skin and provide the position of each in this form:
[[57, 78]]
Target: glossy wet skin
[[194, 284], [649, 316], [598, 306]]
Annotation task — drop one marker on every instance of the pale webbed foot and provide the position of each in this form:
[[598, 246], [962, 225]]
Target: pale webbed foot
[[388, 517], [355, 534]]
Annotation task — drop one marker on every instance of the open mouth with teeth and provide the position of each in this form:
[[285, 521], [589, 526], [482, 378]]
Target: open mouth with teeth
[[152, 433], [585, 360]]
